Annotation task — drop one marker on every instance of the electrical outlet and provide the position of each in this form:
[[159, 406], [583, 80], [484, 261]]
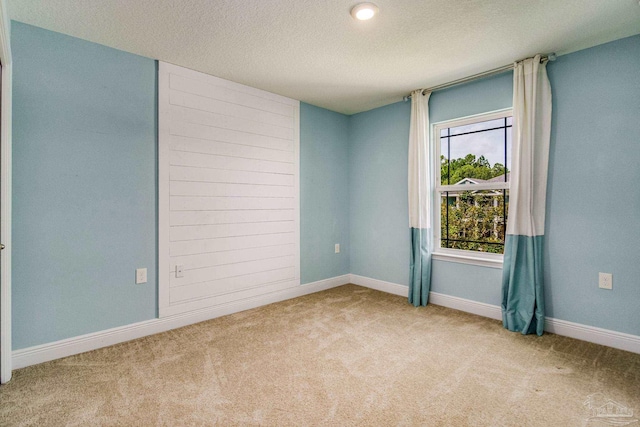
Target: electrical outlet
[[141, 276], [337, 248], [605, 280], [179, 271]]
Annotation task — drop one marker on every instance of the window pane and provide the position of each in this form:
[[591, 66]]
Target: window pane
[[445, 169], [489, 124], [476, 157], [477, 153], [474, 220], [508, 153]]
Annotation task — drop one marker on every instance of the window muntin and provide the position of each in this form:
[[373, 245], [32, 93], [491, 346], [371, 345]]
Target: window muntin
[[472, 183]]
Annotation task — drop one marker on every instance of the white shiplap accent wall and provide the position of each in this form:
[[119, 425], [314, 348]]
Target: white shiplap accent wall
[[228, 191]]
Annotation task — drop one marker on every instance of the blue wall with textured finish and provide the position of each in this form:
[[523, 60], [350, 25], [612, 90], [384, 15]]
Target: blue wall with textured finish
[[490, 94], [84, 186], [476, 283], [592, 200], [378, 169], [324, 193], [378, 150]]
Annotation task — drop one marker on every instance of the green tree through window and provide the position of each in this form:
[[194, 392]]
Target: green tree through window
[[456, 170], [474, 219]]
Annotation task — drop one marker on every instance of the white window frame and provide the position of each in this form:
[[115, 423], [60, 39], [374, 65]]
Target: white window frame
[[484, 259]]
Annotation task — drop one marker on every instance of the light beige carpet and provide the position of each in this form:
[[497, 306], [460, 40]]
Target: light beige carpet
[[346, 356]]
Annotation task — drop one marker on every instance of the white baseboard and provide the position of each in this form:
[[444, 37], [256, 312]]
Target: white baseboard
[[578, 331], [68, 347], [380, 285], [468, 306], [592, 334]]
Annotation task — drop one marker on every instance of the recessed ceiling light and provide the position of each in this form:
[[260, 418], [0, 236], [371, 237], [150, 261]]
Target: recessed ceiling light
[[364, 11]]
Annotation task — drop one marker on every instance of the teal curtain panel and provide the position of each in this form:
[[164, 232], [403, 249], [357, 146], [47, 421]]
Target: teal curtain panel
[[522, 278], [420, 192]]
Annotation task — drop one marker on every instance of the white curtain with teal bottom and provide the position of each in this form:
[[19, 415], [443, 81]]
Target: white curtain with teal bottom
[[522, 276], [420, 190]]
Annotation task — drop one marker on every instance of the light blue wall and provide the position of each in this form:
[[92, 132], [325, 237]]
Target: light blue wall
[[480, 284], [324, 193], [378, 153], [490, 94], [378, 168], [593, 202], [84, 186], [593, 198]]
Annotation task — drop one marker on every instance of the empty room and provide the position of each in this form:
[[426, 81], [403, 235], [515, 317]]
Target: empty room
[[302, 213]]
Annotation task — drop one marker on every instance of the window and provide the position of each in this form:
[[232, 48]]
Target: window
[[472, 185]]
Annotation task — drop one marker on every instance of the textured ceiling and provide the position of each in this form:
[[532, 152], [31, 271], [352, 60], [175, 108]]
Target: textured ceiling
[[315, 52]]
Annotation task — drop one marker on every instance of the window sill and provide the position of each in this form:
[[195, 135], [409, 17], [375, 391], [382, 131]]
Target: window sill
[[468, 257]]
